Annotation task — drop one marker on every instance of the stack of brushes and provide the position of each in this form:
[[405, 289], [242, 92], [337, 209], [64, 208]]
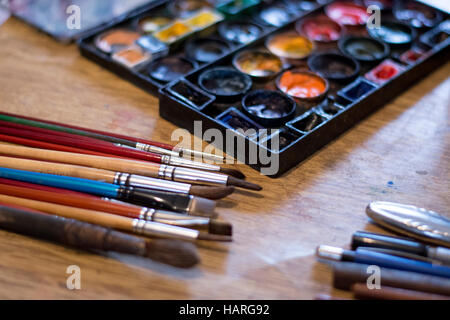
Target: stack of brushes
[[383, 267], [98, 190]]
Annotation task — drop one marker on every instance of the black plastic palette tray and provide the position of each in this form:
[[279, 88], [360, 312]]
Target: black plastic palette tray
[[183, 101]]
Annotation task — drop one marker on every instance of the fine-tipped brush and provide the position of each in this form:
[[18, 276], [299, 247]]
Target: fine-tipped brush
[[128, 166], [91, 144], [138, 143], [122, 209], [184, 204], [137, 226], [87, 236]]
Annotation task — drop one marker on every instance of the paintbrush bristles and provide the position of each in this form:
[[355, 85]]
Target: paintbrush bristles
[[174, 252], [213, 193], [243, 184]]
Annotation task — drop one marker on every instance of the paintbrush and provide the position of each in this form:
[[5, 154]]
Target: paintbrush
[[87, 236], [185, 204], [87, 143], [139, 196], [142, 144], [128, 166], [141, 227], [117, 178], [361, 291], [122, 209]]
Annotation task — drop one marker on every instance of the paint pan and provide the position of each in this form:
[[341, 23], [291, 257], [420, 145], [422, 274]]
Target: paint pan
[[393, 33], [203, 19], [416, 14], [132, 57], [234, 119], [437, 36], [347, 13], [173, 32], [240, 32], [227, 84], [279, 139], [306, 122], [357, 90], [237, 7], [190, 94], [275, 16], [116, 40], [412, 56], [302, 85], [261, 65], [269, 108], [334, 66], [152, 45], [320, 28], [186, 8], [330, 108], [150, 24], [170, 68], [204, 50], [364, 49], [384, 72], [290, 45]]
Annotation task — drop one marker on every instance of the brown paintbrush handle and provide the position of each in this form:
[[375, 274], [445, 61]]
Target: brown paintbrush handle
[[361, 291], [58, 169], [90, 216], [70, 232], [123, 165]]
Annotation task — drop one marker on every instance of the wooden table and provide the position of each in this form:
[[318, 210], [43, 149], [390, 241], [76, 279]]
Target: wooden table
[[401, 153]]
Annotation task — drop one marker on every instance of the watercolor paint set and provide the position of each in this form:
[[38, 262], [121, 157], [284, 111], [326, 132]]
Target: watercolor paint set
[[304, 70]]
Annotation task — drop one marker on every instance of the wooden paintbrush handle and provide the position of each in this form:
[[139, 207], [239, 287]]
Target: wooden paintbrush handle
[[70, 232], [123, 165], [58, 169], [90, 216]]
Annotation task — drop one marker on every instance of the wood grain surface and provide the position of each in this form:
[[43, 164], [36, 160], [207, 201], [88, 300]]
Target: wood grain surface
[[401, 153]]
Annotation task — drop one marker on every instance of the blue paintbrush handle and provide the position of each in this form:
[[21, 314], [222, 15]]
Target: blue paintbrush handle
[[393, 262], [76, 184]]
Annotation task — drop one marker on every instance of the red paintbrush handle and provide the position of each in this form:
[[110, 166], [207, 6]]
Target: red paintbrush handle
[[51, 146], [153, 143], [51, 132], [82, 144]]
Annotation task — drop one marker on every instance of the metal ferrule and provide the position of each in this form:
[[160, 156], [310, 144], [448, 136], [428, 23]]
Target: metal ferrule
[[165, 172], [200, 177], [147, 214], [186, 163], [155, 229], [151, 183], [154, 149], [197, 154]]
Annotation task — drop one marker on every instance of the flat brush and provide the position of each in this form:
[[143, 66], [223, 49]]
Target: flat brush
[[82, 142], [139, 196], [184, 204], [137, 226], [130, 211], [141, 144], [118, 178], [87, 236], [129, 166]]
